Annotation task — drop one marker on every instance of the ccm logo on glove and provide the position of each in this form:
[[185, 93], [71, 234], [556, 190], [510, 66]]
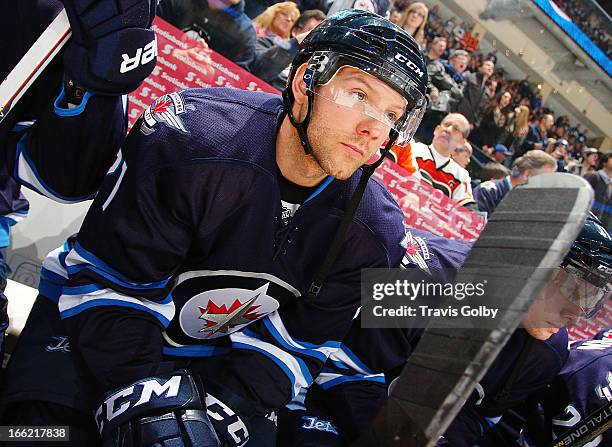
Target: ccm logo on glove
[[143, 56], [119, 402]]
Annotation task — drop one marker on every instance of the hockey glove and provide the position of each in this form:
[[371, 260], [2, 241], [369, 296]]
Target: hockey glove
[[168, 410], [112, 49]]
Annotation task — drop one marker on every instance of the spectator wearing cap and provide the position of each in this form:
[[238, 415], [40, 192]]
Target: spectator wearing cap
[[476, 95], [488, 194], [536, 135], [230, 30], [274, 54], [463, 154], [600, 181], [501, 153], [590, 160], [559, 153]]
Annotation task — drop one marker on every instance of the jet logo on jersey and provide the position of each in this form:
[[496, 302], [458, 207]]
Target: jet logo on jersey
[[222, 319], [604, 391], [166, 109], [417, 252]]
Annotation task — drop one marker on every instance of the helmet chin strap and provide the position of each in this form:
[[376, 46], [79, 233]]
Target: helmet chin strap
[[301, 127]]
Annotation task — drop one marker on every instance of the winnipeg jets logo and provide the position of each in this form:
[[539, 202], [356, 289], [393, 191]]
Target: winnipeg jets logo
[[416, 252], [222, 319], [219, 312], [165, 110]]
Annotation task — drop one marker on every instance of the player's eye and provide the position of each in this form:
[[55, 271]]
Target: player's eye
[[392, 117], [358, 95]]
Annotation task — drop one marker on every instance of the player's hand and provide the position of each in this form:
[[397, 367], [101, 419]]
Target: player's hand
[[112, 49], [168, 410]]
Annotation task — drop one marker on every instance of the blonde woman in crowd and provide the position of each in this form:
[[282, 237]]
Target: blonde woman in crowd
[[414, 21], [277, 19], [519, 128]]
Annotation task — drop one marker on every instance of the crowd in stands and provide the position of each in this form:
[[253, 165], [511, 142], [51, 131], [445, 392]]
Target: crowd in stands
[[586, 18], [507, 118]]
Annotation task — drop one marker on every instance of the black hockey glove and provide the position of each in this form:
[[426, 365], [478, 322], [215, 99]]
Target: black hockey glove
[[168, 410], [112, 49]]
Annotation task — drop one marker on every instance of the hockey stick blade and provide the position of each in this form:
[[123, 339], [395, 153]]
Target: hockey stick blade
[[32, 64], [530, 232], [587, 429]]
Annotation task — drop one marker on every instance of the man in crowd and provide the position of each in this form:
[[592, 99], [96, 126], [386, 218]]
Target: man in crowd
[[437, 47], [476, 96], [589, 163], [488, 194], [166, 284], [559, 153], [462, 155], [501, 153], [436, 165], [447, 78], [600, 181], [536, 135]]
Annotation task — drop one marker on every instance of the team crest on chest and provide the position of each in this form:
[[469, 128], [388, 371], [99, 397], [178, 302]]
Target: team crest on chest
[[220, 312]]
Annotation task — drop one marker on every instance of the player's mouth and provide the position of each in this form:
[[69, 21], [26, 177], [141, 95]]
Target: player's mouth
[[352, 150]]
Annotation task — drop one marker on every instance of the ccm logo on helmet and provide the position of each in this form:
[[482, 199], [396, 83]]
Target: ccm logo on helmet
[[606, 270], [404, 60]]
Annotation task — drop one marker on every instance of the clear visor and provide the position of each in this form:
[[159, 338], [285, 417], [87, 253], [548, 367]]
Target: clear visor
[[588, 296], [359, 91]]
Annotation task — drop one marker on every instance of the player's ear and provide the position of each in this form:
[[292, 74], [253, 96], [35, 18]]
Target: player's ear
[[298, 86]]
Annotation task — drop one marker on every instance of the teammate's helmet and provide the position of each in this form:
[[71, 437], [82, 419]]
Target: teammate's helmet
[[370, 43], [590, 257]]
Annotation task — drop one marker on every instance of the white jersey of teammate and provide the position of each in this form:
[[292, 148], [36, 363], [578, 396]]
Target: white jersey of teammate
[[443, 173]]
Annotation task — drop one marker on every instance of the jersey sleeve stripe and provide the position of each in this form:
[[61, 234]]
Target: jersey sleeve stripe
[[345, 356], [329, 380], [294, 368], [79, 258], [70, 305]]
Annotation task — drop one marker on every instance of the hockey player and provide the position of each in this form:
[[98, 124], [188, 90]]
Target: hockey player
[[230, 243], [353, 386], [64, 134]]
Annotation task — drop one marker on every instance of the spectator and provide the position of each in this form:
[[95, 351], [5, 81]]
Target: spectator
[[462, 155], [274, 54], [229, 28], [518, 128], [493, 171], [277, 20], [536, 136], [493, 125], [600, 181], [475, 97], [501, 153], [395, 16], [448, 78], [436, 49], [380, 7], [436, 165], [488, 194], [559, 153], [590, 159], [414, 21]]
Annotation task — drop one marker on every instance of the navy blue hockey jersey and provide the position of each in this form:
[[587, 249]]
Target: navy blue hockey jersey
[[353, 384], [189, 234], [586, 380], [488, 194], [59, 151]]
